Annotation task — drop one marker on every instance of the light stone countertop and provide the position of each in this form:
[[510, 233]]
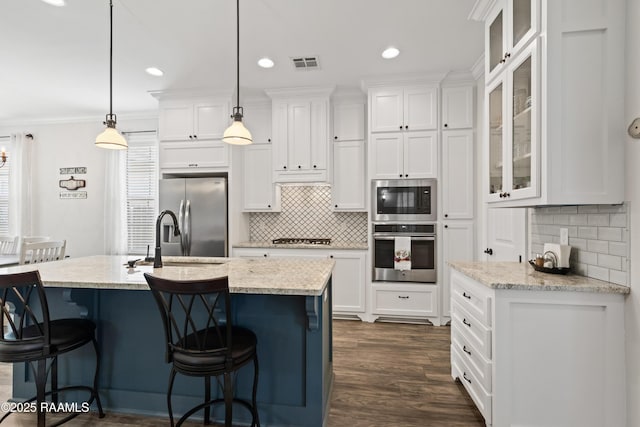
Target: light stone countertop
[[337, 245], [521, 276], [275, 276]]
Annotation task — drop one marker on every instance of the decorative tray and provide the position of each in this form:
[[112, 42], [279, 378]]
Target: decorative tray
[[554, 270]]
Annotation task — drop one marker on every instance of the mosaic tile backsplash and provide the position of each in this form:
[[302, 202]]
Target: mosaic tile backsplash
[[598, 235], [307, 213]]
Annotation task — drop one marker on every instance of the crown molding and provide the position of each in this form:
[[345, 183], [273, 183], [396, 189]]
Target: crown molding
[[431, 78], [306, 91], [139, 115], [190, 93], [481, 9]]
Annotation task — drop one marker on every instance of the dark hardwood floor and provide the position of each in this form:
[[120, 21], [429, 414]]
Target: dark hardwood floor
[[386, 375]]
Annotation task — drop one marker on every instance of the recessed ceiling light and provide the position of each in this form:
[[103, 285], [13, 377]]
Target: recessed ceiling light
[[154, 71], [391, 52], [55, 2], [265, 62]]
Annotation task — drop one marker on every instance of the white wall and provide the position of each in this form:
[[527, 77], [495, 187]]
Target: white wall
[[80, 222], [632, 308]]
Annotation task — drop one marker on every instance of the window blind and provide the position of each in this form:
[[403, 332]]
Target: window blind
[[142, 191], [4, 188]]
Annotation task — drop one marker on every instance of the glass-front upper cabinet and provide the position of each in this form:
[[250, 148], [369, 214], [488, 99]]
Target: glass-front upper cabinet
[[509, 28], [512, 106]]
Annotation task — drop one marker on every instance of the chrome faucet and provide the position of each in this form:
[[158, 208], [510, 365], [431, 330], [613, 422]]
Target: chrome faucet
[[157, 259]]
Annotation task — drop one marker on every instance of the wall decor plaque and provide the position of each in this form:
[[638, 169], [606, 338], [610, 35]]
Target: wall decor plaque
[[72, 183], [74, 195], [76, 170]]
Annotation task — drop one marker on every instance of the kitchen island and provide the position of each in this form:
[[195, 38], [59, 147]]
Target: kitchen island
[[286, 302], [540, 349]]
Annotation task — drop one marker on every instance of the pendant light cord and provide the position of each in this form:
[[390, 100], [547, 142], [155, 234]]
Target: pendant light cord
[[238, 51], [111, 59]]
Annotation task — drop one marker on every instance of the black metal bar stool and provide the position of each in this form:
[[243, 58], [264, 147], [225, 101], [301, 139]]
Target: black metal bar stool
[[33, 337], [200, 345]]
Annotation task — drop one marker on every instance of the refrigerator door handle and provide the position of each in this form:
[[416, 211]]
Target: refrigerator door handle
[[181, 225], [187, 228]]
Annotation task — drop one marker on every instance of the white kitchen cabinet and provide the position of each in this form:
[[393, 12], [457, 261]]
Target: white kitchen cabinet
[[403, 108], [510, 26], [458, 244], [457, 174], [193, 120], [182, 156], [300, 135], [348, 184], [408, 155], [554, 102], [348, 277], [259, 193], [348, 121], [539, 357], [257, 118], [405, 300], [457, 107]]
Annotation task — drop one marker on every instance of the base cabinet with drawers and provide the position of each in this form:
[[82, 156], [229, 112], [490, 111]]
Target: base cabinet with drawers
[[405, 301], [539, 357], [348, 279]]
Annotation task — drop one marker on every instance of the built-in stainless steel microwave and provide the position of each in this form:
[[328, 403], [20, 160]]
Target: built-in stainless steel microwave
[[403, 200]]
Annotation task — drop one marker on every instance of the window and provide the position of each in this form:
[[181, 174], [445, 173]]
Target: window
[[142, 191], [4, 188]]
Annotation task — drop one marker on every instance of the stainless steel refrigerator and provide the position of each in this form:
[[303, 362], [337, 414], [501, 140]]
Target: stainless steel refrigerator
[[201, 207]]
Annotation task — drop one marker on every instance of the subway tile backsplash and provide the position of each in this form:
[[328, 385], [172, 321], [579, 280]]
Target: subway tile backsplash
[[598, 235], [307, 213]]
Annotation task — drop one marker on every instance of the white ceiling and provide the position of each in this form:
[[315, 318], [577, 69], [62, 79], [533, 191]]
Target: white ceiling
[[54, 61]]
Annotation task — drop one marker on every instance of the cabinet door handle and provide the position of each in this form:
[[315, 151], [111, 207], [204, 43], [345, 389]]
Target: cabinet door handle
[[265, 255], [465, 322], [268, 139], [406, 127], [507, 55], [403, 296], [488, 251], [193, 165], [195, 136], [464, 348], [331, 256], [314, 166], [400, 175], [400, 127], [299, 167], [190, 136], [507, 194], [464, 294], [446, 226], [284, 167], [464, 375], [406, 175], [446, 215], [335, 206], [269, 206], [335, 137], [446, 125]]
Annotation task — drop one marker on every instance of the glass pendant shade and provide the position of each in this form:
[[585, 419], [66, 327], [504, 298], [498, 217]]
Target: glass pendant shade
[[237, 134], [112, 139]]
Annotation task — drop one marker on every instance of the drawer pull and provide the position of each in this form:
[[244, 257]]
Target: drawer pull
[[464, 294], [465, 322], [464, 348], [464, 375], [403, 297]]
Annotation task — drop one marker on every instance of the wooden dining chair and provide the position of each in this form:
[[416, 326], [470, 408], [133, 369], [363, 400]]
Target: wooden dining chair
[[33, 239], [8, 245], [53, 250]]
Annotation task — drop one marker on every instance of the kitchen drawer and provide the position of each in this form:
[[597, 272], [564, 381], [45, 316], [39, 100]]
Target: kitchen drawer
[[480, 397], [472, 329], [479, 366], [473, 296], [405, 300]]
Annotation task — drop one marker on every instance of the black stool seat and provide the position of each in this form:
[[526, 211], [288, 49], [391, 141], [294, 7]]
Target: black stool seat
[[65, 334], [188, 360], [199, 344], [34, 338]]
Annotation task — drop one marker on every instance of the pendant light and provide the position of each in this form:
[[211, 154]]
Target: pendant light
[[111, 138], [237, 134]]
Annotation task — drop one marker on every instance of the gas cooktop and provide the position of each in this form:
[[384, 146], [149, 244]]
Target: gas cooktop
[[300, 241]]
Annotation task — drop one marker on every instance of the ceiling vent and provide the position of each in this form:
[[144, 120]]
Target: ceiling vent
[[306, 63]]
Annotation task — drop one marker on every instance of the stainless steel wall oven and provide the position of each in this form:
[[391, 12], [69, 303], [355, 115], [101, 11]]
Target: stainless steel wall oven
[[423, 252]]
